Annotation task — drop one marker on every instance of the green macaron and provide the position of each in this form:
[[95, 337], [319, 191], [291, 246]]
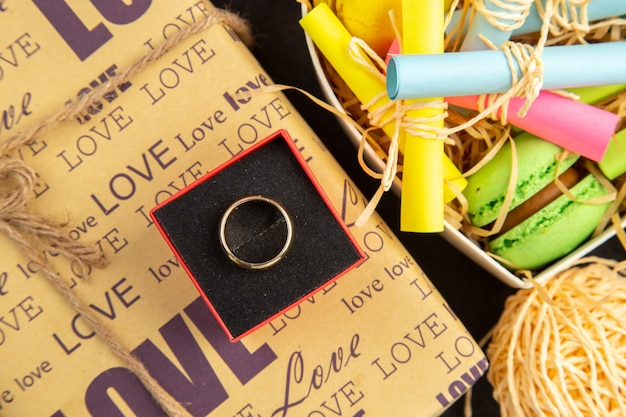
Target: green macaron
[[554, 229]]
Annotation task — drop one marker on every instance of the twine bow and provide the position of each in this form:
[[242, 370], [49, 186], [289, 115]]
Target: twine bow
[[32, 232]]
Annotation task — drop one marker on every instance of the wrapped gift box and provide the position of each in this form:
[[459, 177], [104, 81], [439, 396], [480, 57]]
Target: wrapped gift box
[[363, 344]]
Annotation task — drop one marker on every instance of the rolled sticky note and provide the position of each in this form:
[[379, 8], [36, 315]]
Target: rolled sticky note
[[511, 14], [488, 71], [333, 39], [596, 10], [422, 202], [578, 127], [369, 20], [394, 49], [614, 162]]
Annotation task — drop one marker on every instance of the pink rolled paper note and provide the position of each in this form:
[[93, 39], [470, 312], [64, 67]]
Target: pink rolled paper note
[[578, 127]]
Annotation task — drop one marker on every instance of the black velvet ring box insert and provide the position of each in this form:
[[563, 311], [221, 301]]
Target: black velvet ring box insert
[[322, 248]]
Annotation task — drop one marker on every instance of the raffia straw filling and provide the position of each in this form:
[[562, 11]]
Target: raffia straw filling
[[558, 349]]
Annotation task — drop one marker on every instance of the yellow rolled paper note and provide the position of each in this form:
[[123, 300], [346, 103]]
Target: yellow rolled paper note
[[333, 40], [422, 208]]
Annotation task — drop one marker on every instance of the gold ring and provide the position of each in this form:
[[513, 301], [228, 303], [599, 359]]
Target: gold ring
[[231, 248]]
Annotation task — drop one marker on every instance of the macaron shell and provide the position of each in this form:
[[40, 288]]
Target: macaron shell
[[555, 230], [537, 166]]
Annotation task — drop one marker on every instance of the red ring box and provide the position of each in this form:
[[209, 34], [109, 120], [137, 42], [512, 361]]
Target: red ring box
[[322, 249]]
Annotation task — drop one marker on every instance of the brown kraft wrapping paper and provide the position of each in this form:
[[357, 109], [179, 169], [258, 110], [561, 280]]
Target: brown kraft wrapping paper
[[379, 341]]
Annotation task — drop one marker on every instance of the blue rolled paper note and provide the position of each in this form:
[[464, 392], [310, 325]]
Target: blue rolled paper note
[[596, 10], [485, 72]]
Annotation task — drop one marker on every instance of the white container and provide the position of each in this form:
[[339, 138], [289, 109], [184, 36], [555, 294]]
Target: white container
[[452, 235]]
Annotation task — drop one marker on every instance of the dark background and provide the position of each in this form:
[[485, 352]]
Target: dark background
[[475, 296]]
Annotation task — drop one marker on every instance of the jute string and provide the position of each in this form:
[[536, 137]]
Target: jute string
[[527, 84], [569, 16], [559, 348], [35, 234], [511, 16], [379, 116]]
